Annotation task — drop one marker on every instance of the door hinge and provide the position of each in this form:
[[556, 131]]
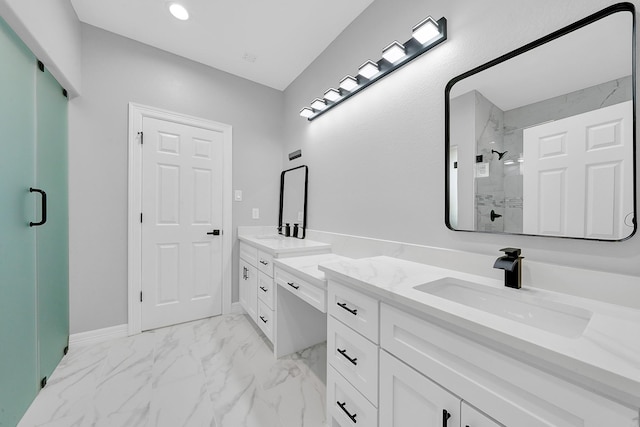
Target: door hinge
[[40, 66], [140, 296], [140, 217], [141, 137], [43, 382]]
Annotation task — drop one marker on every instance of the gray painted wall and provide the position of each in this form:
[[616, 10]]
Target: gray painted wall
[[376, 162], [117, 71]]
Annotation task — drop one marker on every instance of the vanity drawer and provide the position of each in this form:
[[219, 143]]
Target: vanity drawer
[[345, 405], [265, 319], [355, 357], [315, 296], [249, 253], [265, 289], [265, 263], [354, 309]]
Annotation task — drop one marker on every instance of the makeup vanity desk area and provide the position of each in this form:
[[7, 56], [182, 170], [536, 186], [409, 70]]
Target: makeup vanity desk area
[[282, 290]]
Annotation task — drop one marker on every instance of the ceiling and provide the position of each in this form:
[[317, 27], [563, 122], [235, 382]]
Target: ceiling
[[268, 42]]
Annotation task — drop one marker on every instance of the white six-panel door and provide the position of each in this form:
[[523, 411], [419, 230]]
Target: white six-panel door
[[578, 175], [182, 174]]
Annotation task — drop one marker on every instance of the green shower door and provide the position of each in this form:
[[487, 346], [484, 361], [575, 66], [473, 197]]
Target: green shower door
[[52, 241], [18, 351]]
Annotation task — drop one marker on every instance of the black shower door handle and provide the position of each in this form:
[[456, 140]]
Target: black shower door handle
[[43, 218]]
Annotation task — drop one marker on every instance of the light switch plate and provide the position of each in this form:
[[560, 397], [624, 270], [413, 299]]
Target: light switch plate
[[237, 196], [255, 213]]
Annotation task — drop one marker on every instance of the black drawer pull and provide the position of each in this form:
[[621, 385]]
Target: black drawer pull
[[346, 356], [445, 417], [263, 319], [342, 406], [353, 311], [263, 262], [293, 285], [264, 289]]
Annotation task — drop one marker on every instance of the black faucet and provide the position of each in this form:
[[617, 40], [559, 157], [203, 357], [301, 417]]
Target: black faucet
[[512, 265]]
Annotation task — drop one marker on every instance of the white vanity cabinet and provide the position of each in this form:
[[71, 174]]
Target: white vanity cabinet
[[406, 396], [471, 417], [248, 291], [434, 372], [257, 288], [352, 357], [506, 389]]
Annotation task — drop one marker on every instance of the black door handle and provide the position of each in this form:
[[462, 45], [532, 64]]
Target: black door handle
[[445, 417], [214, 233], [43, 218], [292, 284]]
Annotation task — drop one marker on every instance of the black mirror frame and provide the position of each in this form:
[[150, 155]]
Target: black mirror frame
[[306, 183], [610, 10]]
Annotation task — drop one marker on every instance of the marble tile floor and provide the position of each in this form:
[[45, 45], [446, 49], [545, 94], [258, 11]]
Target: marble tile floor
[[214, 372]]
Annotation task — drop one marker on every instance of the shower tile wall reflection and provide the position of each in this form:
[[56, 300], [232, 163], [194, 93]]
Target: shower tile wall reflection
[[499, 140]]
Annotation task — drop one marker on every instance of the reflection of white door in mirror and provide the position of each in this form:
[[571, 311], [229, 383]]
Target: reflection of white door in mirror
[[577, 173]]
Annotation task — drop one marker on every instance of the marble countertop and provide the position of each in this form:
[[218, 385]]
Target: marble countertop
[[275, 244], [605, 357], [306, 267]]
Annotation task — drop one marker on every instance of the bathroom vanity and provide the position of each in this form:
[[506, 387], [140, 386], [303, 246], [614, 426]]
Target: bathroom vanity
[[408, 341], [257, 292]]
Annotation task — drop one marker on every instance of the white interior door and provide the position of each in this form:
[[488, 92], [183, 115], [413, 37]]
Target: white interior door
[[578, 175], [182, 173]]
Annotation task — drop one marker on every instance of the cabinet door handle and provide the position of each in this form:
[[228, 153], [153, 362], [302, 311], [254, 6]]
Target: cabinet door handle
[[445, 417], [293, 285], [342, 406], [346, 356], [263, 289], [263, 262], [263, 319], [353, 311], [43, 218]]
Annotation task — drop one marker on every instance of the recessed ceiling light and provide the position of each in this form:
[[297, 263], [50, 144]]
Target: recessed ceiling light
[[178, 11]]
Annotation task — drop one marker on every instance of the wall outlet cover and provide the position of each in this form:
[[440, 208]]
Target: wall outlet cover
[[255, 213]]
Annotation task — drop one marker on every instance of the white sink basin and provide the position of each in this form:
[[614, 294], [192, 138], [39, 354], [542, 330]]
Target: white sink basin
[[550, 316]]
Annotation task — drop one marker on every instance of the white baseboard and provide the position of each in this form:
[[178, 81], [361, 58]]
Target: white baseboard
[[98, 335], [236, 308]]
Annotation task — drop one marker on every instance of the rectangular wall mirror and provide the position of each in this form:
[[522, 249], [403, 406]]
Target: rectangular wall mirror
[[541, 141], [293, 202]]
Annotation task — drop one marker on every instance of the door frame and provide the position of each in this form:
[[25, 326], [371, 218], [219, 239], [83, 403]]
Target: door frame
[[137, 113]]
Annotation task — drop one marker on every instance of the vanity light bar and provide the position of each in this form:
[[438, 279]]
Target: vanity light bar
[[426, 35]]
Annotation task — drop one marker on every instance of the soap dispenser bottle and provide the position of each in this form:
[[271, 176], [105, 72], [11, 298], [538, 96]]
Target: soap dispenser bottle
[[295, 230], [287, 229]]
